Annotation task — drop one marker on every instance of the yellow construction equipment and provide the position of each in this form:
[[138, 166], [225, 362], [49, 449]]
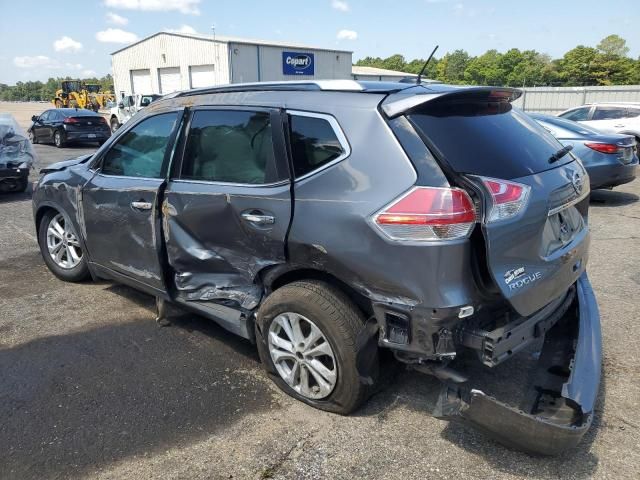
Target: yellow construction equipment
[[75, 94]]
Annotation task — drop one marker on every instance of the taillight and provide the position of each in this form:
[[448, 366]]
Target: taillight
[[602, 147], [69, 120], [507, 198], [428, 213]]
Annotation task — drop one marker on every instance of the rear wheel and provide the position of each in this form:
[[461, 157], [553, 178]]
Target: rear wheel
[[58, 139], [307, 341], [115, 124], [60, 248]]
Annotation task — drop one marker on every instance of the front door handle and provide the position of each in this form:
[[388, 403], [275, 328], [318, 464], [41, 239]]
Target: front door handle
[[141, 205], [258, 218], [619, 126]]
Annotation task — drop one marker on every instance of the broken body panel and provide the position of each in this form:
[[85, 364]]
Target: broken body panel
[[205, 245]]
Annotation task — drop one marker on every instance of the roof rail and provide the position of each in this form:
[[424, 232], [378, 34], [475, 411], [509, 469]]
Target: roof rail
[[329, 85]]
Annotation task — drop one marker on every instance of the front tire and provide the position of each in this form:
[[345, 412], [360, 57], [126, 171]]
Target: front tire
[[306, 334], [32, 137], [60, 247]]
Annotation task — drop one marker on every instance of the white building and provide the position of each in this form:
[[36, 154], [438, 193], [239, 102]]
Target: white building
[[379, 74], [166, 62]]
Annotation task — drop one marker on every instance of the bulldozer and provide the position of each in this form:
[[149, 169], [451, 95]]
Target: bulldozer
[[75, 94]]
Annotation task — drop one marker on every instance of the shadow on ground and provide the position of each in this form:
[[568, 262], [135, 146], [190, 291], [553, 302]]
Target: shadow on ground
[[612, 198], [72, 403]]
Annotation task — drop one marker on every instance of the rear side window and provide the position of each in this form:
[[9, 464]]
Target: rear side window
[[230, 146], [633, 112], [577, 115], [314, 142], [489, 139], [609, 113]]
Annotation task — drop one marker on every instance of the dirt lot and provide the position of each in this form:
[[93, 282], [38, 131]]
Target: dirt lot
[[91, 387]]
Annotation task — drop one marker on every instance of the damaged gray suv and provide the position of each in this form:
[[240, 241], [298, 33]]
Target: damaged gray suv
[[327, 221]]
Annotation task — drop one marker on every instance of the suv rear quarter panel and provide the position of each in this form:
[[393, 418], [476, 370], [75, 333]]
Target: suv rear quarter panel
[[332, 230]]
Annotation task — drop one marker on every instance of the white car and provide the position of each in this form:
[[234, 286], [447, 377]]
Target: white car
[[608, 117], [127, 107]]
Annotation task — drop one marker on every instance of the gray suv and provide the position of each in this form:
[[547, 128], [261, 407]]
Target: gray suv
[[327, 221]]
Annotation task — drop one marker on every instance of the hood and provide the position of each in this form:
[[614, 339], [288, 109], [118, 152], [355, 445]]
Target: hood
[[56, 167]]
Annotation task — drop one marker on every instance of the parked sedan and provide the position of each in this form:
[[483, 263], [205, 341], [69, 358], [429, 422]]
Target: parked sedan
[[66, 125], [609, 118], [610, 159]]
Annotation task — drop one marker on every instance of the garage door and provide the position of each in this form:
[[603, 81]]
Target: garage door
[[201, 76], [141, 81], [169, 80]]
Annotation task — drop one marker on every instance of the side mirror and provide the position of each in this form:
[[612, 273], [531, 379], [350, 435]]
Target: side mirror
[[34, 118], [120, 105], [145, 103]]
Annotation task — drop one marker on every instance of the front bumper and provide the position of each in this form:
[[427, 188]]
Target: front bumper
[[563, 394], [13, 173]]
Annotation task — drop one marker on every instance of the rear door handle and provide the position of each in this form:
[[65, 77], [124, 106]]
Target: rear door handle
[[258, 218], [141, 205]]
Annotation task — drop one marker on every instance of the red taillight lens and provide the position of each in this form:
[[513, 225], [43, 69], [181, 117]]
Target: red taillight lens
[[507, 198], [428, 213], [602, 147], [69, 120]]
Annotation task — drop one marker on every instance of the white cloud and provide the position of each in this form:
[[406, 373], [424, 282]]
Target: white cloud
[[89, 73], [115, 35], [182, 29], [73, 66], [340, 5], [188, 7], [460, 9], [67, 44], [116, 19], [38, 61], [347, 35]]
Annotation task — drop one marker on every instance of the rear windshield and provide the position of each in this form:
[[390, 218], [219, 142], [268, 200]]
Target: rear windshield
[[488, 139]]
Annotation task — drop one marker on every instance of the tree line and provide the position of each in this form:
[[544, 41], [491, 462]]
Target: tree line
[[606, 64], [36, 91]]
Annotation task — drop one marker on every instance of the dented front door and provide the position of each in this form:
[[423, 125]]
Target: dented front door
[[120, 204], [227, 211]]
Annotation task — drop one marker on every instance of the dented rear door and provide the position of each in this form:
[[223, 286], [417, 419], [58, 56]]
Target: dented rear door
[[227, 209]]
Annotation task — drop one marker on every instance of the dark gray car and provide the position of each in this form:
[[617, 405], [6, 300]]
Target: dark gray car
[[610, 159], [325, 221]]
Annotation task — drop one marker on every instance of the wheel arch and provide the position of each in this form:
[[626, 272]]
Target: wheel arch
[[281, 275]]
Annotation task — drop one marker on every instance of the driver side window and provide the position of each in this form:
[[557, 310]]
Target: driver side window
[[140, 152]]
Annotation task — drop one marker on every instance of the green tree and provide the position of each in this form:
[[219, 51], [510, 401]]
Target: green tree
[[452, 66], [578, 65], [485, 69], [613, 45]]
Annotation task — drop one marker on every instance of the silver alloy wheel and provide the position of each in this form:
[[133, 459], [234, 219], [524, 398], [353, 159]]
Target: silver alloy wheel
[[302, 355], [62, 243], [57, 139]]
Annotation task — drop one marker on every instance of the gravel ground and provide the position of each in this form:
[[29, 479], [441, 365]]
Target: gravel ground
[[91, 387]]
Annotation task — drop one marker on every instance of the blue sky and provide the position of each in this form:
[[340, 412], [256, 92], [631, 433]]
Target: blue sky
[[38, 39]]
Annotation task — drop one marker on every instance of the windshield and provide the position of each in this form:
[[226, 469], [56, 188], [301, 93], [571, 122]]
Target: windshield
[[487, 138]]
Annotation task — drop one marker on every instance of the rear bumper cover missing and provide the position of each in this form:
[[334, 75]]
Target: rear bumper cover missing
[[560, 404]]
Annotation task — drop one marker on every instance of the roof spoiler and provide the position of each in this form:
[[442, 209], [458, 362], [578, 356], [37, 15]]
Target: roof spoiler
[[409, 98]]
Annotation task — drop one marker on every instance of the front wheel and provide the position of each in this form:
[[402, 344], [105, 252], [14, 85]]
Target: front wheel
[[32, 137], [60, 248], [306, 334]]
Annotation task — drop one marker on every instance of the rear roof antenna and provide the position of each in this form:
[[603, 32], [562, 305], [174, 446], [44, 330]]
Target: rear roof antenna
[[424, 67]]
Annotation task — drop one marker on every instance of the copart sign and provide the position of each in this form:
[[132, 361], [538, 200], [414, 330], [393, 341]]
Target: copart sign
[[297, 63]]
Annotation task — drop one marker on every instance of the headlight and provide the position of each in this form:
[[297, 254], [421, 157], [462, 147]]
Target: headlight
[[23, 165]]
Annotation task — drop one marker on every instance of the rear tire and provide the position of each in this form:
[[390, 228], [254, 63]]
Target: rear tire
[[73, 271], [316, 304], [58, 139], [115, 124]]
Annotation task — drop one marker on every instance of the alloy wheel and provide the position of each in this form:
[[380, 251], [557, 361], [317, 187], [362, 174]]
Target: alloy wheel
[[62, 243], [302, 355]]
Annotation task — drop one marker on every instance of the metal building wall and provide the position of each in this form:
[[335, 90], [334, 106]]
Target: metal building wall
[[252, 63], [553, 100], [163, 51]]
